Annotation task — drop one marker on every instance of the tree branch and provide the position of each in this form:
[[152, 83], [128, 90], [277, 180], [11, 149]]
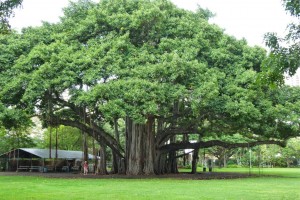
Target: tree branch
[[202, 144], [101, 134]]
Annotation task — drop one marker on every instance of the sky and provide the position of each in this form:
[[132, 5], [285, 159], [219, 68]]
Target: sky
[[249, 19]]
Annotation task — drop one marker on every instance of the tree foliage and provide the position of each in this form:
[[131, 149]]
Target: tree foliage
[[284, 52], [6, 11], [13, 139], [68, 138]]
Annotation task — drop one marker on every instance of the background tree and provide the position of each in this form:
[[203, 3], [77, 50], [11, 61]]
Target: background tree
[[6, 11], [223, 154], [284, 52], [14, 139], [14, 129], [69, 138], [291, 153]]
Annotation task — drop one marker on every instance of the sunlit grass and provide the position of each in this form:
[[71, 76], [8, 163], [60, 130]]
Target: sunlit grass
[[284, 184], [283, 172]]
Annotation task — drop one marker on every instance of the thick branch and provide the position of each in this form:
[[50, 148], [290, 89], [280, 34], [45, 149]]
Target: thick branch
[[101, 134], [202, 144], [165, 135]]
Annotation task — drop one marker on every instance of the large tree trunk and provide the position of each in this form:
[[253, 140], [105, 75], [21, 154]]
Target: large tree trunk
[[102, 165], [118, 165], [85, 147], [172, 160], [139, 147], [114, 167], [185, 157], [116, 161], [172, 163], [149, 147], [224, 158], [195, 161], [133, 147], [160, 162], [160, 159]]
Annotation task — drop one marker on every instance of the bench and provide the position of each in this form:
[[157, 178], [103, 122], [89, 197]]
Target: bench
[[49, 168], [75, 168], [32, 168], [65, 169], [28, 168], [23, 168]]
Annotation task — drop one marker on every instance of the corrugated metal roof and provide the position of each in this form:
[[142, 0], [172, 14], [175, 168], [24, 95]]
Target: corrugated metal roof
[[44, 153]]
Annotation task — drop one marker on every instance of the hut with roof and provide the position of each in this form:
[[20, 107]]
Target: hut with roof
[[42, 160]]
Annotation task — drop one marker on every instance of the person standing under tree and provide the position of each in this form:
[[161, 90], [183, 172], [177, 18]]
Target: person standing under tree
[[85, 168]]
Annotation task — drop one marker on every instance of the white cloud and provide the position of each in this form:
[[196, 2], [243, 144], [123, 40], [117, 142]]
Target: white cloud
[[33, 12]]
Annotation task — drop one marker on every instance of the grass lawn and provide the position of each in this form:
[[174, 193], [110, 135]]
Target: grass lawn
[[284, 185], [282, 172]]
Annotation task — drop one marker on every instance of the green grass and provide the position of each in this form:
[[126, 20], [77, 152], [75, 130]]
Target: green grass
[[284, 185], [282, 172]]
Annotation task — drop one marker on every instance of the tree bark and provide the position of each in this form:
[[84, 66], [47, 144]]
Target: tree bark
[[172, 160], [134, 147], [172, 163], [185, 157], [116, 159], [160, 159], [149, 147], [100, 133], [85, 147], [195, 161], [139, 147], [102, 167], [225, 158], [202, 144]]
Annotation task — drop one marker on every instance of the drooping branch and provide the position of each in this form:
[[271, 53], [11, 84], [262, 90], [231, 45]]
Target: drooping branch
[[184, 154], [90, 128], [100, 134], [164, 135], [202, 144]]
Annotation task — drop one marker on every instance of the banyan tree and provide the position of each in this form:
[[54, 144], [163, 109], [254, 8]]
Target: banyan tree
[[140, 77]]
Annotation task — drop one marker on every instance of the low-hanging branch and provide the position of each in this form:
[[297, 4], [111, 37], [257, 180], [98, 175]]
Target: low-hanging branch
[[202, 144], [109, 140], [184, 154]]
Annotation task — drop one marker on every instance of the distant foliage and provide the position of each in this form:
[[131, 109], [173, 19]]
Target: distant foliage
[[284, 52], [6, 11]]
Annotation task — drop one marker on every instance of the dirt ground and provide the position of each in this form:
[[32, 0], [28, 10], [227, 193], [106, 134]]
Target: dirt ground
[[183, 176]]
